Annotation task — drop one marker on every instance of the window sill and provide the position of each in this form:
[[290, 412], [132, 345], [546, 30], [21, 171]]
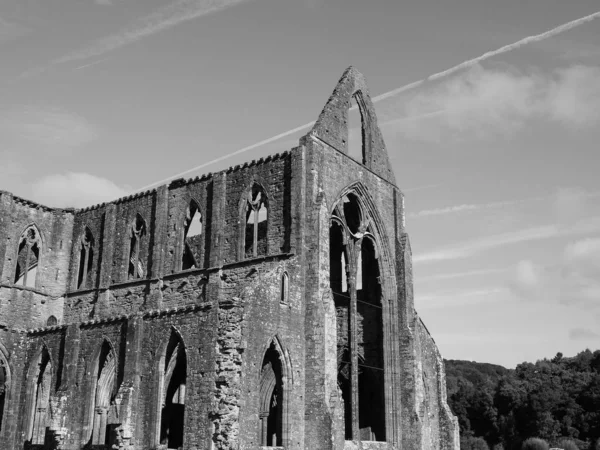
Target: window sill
[[24, 288]]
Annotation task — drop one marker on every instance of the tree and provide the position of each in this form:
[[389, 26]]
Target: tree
[[534, 444]]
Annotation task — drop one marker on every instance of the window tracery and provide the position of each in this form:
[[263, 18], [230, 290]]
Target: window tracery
[[355, 283], [86, 258], [256, 220], [28, 257], [137, 232]]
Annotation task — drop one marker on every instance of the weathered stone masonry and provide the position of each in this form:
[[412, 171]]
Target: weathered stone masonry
[[269, 305]]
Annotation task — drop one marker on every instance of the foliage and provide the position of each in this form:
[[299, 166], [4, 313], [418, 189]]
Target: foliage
[[535, 444], [566, 444], [552, 399], [473, 443]]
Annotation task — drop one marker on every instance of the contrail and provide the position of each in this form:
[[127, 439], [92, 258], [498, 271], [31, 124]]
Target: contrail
[[469, 63], [221, 158], [85, 66], [507, 48]]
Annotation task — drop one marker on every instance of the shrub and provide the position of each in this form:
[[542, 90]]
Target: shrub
[[473, 443], [534, 444], [566, 444]]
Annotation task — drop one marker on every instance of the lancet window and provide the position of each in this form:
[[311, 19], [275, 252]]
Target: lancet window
[[28, 257], [103, 396], [285, 287], [4, 386], [137, 233], [172, 383], [86, 259], [355, 283], [271, 399], [192, 238], [256, 219], [40, 385]]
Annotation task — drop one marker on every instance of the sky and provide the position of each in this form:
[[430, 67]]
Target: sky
[[498, 159]]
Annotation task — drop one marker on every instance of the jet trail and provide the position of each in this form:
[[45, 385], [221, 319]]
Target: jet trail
[[469, 63]]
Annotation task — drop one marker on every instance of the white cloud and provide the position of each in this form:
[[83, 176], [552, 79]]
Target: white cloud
[[76, 190], [582, 334], [11, 30], [164, 18], [49, 128], [473, 247], [459, 298], [482, 102], [454, 275], [573, 279]]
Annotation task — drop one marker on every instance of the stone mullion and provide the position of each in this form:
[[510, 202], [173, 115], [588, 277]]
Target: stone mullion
[[255, 241], [353, 338]]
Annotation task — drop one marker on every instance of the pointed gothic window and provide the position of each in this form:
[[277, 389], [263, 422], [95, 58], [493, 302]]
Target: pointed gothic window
[[192, 238], [356, 131], [285, 287], [3, 388], [137, 233], [28, 257], [172, 383], [103, 396], [354, 281], [86, 259], [271, 400], [40, 399], [256, 212]]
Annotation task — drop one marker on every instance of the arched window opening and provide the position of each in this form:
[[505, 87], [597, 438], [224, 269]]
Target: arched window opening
[[285, 287], [355, 283], [371, 395], [3, 388], [192, 238], [255, 243], [51, 321], [137, 232], [86, 258], [104, 397], [352, 214], [339, 288], [40, 400], [356, 132], [172, 394], [28, 258], [271, 399]]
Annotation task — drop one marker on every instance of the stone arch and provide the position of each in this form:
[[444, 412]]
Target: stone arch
[[85, 258], [37, 403], [28, 255], [102, 389], [170, 387], [137, 230], [371, 277], [284, 296], [193, 236], [5, 386], [275, 388], [254, 220]]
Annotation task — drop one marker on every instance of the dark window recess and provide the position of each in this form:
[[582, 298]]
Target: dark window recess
[[28, 258], [271, 400], [359, 322], [3, 388], [41, 400], [137, 234], [173, 383], [103, 433], [51, 321], [86, 259], [192, 238], [255, 237]]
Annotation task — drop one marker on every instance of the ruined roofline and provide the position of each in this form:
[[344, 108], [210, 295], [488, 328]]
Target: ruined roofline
[[174, 183]]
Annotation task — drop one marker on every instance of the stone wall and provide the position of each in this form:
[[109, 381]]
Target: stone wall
[[137, 306]]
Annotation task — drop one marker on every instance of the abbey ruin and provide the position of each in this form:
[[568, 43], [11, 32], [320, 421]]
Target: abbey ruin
[[269, 305]]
